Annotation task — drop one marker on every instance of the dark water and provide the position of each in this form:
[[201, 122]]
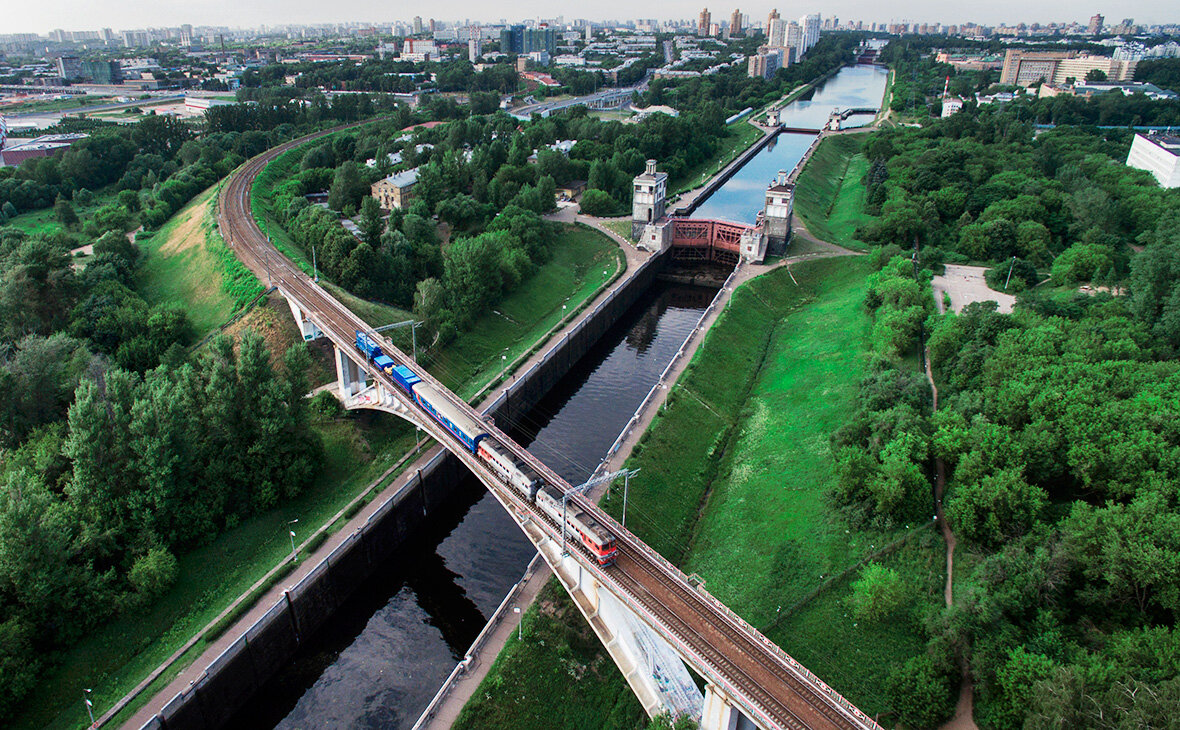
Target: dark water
[[740, 199], [380, 660]]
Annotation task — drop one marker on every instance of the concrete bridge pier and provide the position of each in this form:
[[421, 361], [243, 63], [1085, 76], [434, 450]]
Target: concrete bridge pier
[[721, 714], [307, 328], [351, 377], [653, 669]]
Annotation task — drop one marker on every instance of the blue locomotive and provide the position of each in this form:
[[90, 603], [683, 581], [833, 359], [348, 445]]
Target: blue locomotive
[[516, 474]]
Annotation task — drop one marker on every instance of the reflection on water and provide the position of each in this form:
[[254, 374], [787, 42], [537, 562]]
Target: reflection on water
[[740, 199]]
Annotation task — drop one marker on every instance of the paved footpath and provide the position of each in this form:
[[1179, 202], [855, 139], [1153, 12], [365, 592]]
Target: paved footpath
[[192, 673]]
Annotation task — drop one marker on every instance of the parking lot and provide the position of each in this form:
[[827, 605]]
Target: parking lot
[[965, 284]]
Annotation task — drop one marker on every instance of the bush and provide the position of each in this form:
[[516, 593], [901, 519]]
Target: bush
[[1024, 276], [154, 573], [921, 692], [877, 593], [598, 203]]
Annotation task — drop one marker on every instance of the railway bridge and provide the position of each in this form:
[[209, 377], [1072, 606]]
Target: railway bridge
[[655, 623]]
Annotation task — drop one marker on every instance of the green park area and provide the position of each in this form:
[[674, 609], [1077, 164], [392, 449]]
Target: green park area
[[830, 193], [733, 484], [187, 263]]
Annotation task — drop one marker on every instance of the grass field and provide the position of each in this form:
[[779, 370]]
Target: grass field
[[829, 195], [558, 650], [44, 221], [621, 226], [179, 265], [741, 135], [732, 483]]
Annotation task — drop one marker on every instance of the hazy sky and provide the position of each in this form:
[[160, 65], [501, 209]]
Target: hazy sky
[[29, 16]]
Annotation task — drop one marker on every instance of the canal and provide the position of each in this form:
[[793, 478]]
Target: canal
[[740, 199], [380, 659]]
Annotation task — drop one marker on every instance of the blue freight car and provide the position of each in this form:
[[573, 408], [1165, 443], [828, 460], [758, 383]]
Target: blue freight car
[[373, 352], [404, 377]]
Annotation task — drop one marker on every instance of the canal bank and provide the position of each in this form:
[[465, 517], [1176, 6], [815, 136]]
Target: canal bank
[[372, 529]]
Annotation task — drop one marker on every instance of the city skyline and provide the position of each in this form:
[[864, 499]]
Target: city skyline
[[41, 19]]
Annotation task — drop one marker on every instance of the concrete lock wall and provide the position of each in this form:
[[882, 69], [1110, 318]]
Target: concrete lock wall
[[231, 679]]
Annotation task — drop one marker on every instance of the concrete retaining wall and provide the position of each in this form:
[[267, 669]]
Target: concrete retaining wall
[[232, 678]]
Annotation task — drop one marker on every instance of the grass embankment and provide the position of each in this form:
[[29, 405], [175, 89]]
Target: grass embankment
[[829, 194], [740, 135], [187, 261], [621, 226], [118, 656], [732, 484]]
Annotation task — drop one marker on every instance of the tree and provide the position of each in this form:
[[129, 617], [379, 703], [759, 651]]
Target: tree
[[347, 187], [153, 573], [371, 224], [877, 593], [921, 692], [598, 203], [1096, 74], [995, 509], [64, 212]]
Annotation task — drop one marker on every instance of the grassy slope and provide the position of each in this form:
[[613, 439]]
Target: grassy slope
[[116, 657], [179, 266], [829, 196], [741, 135], [753, 451]]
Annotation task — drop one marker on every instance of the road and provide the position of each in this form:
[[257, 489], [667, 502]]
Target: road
[[546, 107], [769, 686]]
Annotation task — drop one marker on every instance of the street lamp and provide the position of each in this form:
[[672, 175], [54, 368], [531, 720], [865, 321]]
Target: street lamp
[[291, 534], [89, 705], [519, 624]]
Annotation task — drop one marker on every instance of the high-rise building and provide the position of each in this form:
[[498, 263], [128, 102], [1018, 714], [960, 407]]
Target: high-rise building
[[474, 46], [810, 25], [589, 33], [417, 24], [776, 33], [69, 67], [793, 42], [735, 22], [766, 64], [433, 26], [703, 21], [1025, 68], [770, 17], [1095, 26]]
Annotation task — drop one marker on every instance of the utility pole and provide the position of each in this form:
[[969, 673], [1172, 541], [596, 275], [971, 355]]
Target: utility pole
[[314, 270], [1009, 277]]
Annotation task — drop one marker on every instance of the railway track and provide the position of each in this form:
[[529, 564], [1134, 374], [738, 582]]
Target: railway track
[[771, 688]]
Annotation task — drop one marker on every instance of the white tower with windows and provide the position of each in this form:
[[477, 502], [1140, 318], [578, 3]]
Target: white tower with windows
[[648, 199]]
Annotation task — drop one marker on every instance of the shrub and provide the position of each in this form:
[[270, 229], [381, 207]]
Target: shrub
[[154, 573]]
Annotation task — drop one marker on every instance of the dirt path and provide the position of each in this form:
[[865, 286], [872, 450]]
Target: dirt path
[[964, 709]]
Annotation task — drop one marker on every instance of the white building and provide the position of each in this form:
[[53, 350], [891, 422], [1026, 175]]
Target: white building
[[950, 105], [1159, 154]]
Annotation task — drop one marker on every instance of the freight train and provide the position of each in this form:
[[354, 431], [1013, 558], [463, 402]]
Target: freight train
[[516, 474]]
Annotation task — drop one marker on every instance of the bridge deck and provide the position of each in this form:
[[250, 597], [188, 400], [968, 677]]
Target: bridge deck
[[767, 685]]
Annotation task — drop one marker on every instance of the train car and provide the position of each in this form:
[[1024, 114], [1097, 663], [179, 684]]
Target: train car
[[468, 430], [597, 540], [404, 377], [374, 353], [512, 471]]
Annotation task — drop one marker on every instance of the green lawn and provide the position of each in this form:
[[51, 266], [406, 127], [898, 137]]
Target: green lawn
[[741, 135], [558, 651], [621, 226], [732, 483], [829, 194]]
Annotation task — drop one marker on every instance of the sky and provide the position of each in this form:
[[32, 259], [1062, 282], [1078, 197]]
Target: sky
[[41, 17]]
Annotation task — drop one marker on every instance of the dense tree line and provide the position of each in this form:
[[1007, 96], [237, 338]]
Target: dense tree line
[[1055, 422], [93, 509], [1163, 72], [731, 90], [980, 186]]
